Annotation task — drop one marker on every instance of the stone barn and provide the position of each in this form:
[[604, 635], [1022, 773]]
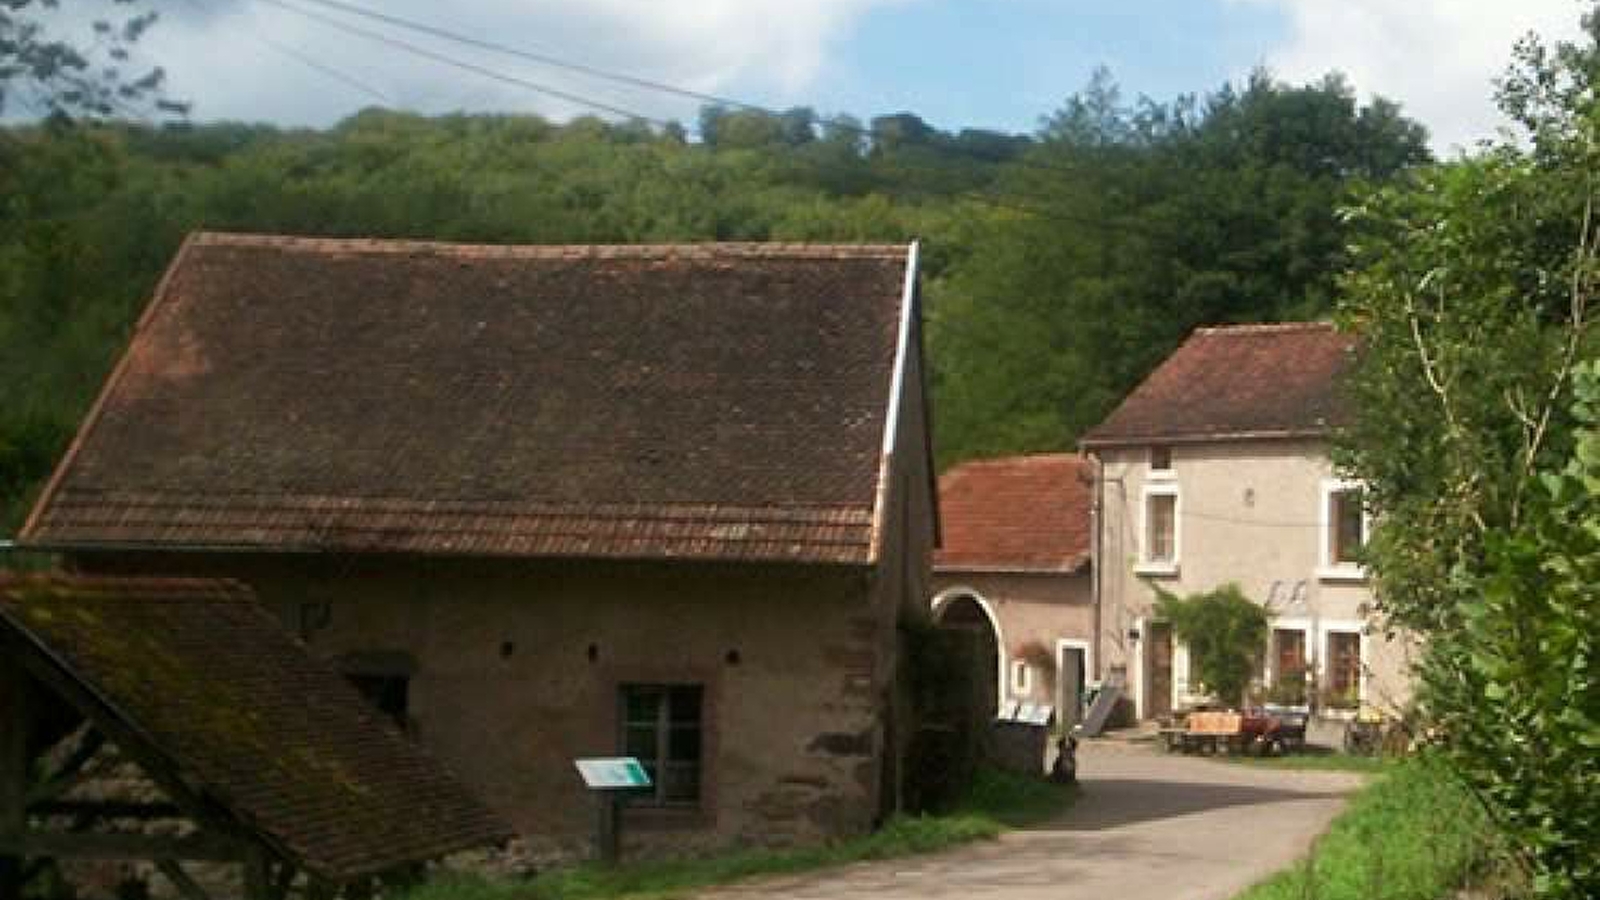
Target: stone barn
[[543, 503]]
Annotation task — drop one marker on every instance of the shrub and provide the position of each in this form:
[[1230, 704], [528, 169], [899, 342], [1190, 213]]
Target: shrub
[[1225, 632]]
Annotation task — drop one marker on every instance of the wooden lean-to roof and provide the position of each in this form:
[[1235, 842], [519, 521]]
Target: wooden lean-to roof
[[1016, 514], [718, 401], [1237, 382], [247, 718]]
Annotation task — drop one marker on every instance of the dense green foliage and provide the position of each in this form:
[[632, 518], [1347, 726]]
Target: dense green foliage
[[1225, 631], [1413, 834], [998, 800], [1161, 218], [1060, 267], [1473, 289]]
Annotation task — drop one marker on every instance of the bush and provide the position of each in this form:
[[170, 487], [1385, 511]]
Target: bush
[[1225, 632]]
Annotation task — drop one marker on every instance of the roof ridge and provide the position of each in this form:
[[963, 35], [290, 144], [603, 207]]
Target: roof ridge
[[701, 249], [1265, 327], [1021, 458]]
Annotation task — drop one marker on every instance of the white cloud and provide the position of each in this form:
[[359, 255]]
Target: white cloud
[[1438, 58], [215, 56]]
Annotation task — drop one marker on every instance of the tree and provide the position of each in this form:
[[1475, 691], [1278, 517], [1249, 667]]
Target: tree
[[1152, 219], [1473, 292], [1225, 632], [49, 72]]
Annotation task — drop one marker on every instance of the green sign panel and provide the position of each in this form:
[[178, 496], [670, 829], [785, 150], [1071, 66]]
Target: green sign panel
[[611, 773]]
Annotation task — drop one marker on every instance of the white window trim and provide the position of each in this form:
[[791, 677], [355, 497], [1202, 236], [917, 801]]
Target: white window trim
[[1021, 679], [1088, 656], [1183, 690], [1063, 645], [1308, 634], [1345, 626], [1147, 566], [1328, 570]]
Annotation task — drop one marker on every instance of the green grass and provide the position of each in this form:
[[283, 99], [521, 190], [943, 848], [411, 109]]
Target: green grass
[[1412, 834], [997, 801]]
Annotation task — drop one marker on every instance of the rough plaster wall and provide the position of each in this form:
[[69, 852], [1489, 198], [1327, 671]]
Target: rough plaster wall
[[506, 693], [1250, 512]]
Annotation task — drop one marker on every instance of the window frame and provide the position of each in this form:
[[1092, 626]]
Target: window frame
[[1310, 661], [1021, 679], [657, 799], [1330, 661], [1147, 565], [1331, 569]]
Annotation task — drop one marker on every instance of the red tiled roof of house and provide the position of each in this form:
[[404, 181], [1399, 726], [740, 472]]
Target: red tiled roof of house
[[1017, 513], [1239, 381], [714, 401], [245, 716]]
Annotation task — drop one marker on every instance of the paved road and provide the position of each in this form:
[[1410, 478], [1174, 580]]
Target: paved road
[[1147, 827]]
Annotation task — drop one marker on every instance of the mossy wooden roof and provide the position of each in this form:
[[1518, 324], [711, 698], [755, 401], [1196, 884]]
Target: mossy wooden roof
[[250, 718]]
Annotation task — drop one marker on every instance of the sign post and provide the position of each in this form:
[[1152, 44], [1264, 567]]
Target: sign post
[[612, 779]]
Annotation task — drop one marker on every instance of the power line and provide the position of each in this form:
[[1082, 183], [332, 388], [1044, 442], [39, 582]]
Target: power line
[[331, 72], [580, 100], [648, 84], [475, 69], [306, 60]]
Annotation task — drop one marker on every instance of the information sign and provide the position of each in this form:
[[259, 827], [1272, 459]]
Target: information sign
[[612, 773]]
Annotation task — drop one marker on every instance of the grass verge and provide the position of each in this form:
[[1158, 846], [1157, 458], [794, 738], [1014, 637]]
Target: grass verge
[[1412, 834], [998, 801]]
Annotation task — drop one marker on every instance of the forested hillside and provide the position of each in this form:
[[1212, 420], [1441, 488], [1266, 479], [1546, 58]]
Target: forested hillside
[[1061, 265]]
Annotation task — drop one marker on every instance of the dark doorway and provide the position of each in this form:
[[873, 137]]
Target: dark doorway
[[1072, 672], [1158, 697], [967, 614]]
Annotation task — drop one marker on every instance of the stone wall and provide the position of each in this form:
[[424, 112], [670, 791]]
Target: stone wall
[[516, 670]]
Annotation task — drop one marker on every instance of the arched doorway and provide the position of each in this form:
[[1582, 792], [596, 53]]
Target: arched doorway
[[965, 609]]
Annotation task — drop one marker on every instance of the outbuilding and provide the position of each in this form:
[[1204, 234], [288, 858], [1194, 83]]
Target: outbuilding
[[543, 503]]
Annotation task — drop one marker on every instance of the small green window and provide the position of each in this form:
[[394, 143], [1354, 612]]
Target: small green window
[[662, 726]]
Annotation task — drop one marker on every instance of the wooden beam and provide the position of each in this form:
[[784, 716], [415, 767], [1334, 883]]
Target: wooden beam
[[15, 730], [129, 742], [187, 887], [90, 845], [257, 880], [107, 809], [282, 881], [71, 772]]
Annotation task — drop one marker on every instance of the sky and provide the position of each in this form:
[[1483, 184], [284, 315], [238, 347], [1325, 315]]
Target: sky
[[958, 63]]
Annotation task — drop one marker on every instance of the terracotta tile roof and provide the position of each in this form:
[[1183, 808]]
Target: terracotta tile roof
[[1237, 382], [702, 401], [246, 714], [1017, 513]]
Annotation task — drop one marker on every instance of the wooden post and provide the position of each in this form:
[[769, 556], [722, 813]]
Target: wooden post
[[608, 830], [15, 730], [257, 878], [258, 875]]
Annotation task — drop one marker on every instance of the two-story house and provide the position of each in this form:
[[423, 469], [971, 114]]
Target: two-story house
[[1214, 470]]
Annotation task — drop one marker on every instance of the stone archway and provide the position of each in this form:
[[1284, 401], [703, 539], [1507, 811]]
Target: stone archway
[[965, 609]]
